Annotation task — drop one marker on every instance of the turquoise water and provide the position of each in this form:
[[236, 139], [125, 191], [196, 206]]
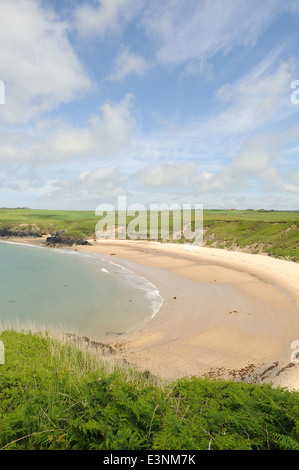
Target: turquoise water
[[79, 293]]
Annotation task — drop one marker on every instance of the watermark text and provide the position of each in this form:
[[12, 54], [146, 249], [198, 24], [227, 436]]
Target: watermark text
[[295, 354], [2, 92], [295, 94], [2, 353], [159, 222]]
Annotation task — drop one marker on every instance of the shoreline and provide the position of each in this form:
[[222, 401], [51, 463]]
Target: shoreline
[[225, 314]]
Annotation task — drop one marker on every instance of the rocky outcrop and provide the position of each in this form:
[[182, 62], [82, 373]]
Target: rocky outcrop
[[62, 239]]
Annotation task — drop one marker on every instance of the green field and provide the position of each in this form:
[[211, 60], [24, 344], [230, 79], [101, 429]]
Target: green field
[[76, 223], [273, 232], [56, 396]]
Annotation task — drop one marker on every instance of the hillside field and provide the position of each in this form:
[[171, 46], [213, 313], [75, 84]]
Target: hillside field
[[275, 233]]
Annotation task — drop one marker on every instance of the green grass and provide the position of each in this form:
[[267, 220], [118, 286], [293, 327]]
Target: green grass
[[251, 215], [54, 395], [272, 232], [279, 239], [77, 223]]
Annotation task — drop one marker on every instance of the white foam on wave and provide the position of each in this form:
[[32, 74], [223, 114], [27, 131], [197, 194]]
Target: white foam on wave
[[20, 243], [104, 271], [135, 280]]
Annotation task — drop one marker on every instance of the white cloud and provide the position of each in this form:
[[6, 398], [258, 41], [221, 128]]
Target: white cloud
[[260, 93], [229, 145], [91, 184], [37, 62], [167, 175], [242, 108], [255, 165], [286, 183], [14, 148], [107, 17], [256, 162], [254, 103], [106, 134], [127, 63], [199, 29]]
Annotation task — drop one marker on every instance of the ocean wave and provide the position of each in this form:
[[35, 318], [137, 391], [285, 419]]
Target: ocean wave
[[105, 271], [20, 243], [151, 292]]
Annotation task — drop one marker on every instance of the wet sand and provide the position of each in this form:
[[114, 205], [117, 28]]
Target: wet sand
[[225, 314]]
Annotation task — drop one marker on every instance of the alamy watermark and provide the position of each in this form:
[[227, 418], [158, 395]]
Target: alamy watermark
[[2, 92], [295, 95], [2, 353], [295, 354], [159, 222]]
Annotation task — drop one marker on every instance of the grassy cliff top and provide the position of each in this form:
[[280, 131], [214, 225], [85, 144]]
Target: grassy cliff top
[[54, 395], [275, 233]]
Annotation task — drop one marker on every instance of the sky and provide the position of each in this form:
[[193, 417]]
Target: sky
[[173, 101]]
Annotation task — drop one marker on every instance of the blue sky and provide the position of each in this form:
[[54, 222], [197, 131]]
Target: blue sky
[[173, 101]]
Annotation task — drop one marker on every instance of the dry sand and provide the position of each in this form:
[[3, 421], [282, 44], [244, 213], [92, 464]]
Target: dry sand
[[225, 314]]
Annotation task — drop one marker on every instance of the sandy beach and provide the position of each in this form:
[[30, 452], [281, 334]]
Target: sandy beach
[[225, 314]]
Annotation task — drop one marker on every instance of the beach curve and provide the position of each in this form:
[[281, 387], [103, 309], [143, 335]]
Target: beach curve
[[225, 314]]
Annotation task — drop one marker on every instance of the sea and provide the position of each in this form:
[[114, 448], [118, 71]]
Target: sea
[[75, 292]]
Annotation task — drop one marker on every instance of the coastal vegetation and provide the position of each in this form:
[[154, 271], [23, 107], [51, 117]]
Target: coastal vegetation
[[275, 233], [56, 394]]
